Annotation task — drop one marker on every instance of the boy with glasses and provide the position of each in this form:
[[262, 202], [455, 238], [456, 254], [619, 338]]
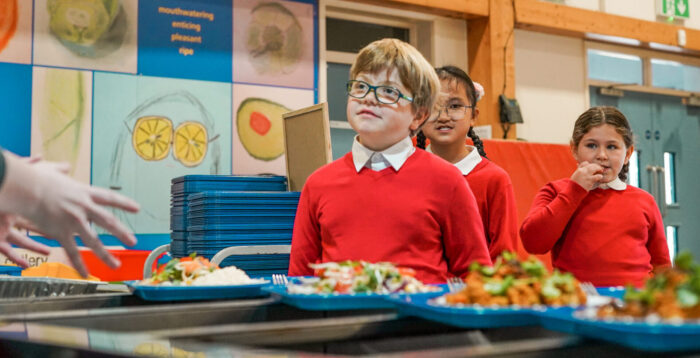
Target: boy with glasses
[[385, 200]]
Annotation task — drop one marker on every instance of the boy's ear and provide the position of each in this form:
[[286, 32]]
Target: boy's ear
[[630, 150], [418, 120]]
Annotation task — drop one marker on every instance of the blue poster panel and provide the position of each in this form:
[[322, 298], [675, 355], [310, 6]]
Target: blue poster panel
[[16, 104], [149, 130], [185, 39]]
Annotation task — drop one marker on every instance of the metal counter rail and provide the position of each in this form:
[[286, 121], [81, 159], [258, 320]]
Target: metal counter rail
[[343, 340], [163, 316]]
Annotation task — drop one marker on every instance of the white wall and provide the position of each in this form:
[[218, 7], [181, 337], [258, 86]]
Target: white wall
[[549, 84], [450, 42], [640, 9]]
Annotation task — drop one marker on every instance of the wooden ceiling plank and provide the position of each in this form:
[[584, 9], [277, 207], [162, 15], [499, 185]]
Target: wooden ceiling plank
[[465, 9], [571, 21]]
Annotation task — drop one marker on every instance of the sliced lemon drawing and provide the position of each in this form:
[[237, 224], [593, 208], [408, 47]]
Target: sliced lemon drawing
[[152, 136], [190, 145]]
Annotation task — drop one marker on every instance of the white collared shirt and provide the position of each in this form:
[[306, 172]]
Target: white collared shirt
[[394, 156], [616, 184], [468, 163]]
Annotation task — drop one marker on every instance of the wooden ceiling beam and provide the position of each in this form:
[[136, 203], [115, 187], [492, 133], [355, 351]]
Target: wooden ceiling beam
[[492, 62], [558, 19], [465, 9]]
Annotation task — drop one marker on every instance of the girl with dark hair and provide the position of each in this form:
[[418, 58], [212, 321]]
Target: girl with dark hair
[[447, 131], [596, 226]]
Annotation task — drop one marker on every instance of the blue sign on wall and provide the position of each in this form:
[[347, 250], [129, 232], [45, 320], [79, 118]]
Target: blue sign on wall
[[16, 107], [186, 39]]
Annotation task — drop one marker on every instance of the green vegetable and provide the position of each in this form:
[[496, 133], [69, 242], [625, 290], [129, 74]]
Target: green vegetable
[[686, 297], [498, 288], [550, 291], [534, 267], [684, 261]]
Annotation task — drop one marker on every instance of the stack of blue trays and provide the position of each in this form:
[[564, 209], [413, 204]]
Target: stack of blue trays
[[183, 187], [220, 219]]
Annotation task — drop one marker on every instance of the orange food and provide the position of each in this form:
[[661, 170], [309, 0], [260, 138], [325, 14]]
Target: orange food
[[8, 21], [57, 270]]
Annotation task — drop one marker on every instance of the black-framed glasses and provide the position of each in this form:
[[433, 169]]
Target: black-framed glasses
[[383, 94], [454, 112]]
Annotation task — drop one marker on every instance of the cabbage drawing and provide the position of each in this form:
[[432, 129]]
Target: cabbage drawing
[[274, 39], [89, 28]]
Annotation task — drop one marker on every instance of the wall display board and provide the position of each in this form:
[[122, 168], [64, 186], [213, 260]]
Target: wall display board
[[133, 93], [307, 142]]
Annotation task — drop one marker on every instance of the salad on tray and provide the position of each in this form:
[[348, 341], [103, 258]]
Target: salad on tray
[[197, 271], [348, 277]]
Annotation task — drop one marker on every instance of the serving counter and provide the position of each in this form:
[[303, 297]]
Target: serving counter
[[117, 324]]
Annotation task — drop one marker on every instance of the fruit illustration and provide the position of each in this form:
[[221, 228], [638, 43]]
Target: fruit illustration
[[190, 144], [274, 39], [259, 125], [151, 137]]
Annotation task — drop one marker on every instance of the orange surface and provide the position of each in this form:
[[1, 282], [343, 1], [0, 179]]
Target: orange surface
[[131, 268], [8, 21], [530, 166], [57, 270]]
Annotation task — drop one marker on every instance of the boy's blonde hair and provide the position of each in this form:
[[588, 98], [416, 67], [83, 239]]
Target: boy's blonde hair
[[415, 71]]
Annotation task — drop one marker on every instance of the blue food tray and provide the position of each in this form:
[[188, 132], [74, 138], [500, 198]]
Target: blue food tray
[[464, 317], [191, 293], [244, 204], [225, 212], [197, 183], [221, 246], [225, 196], [561, 318], [661, 337], [225, 236], [332, 302], [231, 227], [243, 219]]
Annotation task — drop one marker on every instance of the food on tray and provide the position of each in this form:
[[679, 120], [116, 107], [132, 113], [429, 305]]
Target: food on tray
[[673, 293], [197, 271], [359, 277], [513, 282]]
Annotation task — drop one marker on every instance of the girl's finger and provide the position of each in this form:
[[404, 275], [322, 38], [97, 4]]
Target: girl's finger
[[20, 240], [73, 254], [109, 198], [107, 220], [90, 239], [7, 250]]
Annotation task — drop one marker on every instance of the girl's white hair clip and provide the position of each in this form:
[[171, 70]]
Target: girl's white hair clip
[[479, 90]]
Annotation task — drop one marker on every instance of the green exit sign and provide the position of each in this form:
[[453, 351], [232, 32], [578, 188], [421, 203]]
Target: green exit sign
[[674, 8]]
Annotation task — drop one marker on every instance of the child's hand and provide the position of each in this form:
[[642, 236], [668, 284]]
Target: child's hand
[[588, 175]]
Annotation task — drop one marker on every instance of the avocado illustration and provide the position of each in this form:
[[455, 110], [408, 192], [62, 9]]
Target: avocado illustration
[[259, 124], [90, 28], [274, 39]]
